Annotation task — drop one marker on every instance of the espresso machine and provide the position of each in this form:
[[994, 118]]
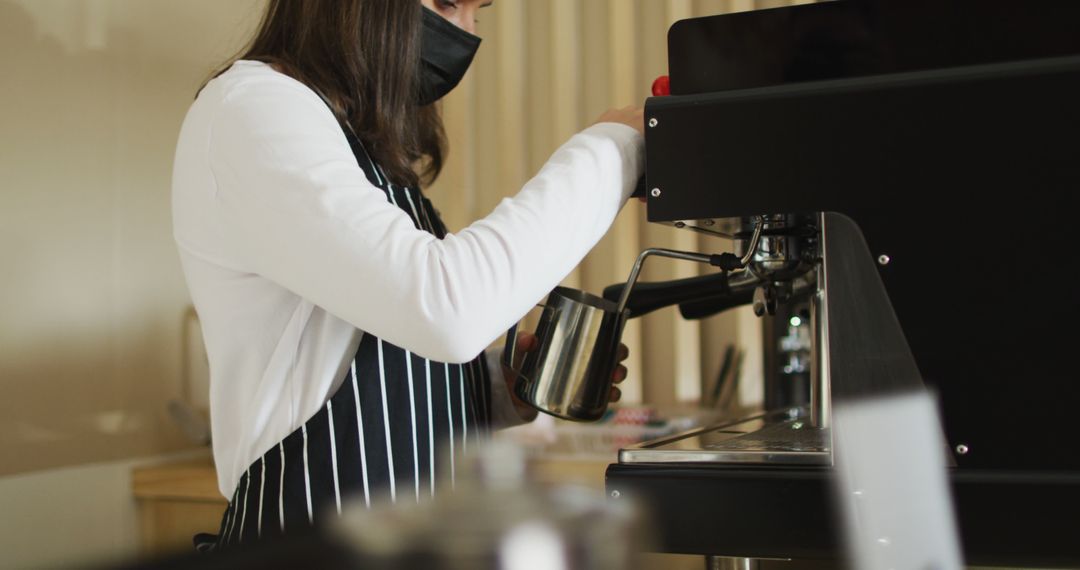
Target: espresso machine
[[903, 176]]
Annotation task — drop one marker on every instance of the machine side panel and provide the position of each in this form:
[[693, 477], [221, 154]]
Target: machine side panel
[[963, 181]]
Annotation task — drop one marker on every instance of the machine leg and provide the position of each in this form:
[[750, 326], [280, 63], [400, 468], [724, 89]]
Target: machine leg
[[723, 563]]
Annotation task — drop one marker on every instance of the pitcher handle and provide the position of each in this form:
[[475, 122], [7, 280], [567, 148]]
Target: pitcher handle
[[510, 347]]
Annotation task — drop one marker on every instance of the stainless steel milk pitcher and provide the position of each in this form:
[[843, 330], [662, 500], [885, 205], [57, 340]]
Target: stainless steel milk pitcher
[[569, 375]]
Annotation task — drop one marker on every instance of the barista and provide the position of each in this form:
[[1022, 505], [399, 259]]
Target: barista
[[344, 325]]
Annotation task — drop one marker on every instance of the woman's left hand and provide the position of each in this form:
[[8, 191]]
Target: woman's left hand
[[527, 342]]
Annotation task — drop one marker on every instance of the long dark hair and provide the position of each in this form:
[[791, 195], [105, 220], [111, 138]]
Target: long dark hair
[[364, 56]]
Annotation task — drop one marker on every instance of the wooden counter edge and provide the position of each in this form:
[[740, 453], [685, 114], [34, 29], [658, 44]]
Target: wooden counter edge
[[188, 481]]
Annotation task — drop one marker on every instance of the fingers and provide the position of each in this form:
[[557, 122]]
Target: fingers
[[632, 116], [620, 371], [616, 394], [527, 342]]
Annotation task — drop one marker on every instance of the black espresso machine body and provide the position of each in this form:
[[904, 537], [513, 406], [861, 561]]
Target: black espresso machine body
[[938, 140]]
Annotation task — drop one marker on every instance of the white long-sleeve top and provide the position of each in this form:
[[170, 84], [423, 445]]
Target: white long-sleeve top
[[291, 254]]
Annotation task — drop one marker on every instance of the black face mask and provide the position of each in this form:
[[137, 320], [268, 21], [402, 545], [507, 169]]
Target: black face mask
[[446, 51]]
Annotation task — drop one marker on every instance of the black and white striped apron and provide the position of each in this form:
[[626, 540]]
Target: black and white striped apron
[[380, 435]]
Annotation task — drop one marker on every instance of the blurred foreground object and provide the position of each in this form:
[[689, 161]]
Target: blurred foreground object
[[493, 519], [893, 487]]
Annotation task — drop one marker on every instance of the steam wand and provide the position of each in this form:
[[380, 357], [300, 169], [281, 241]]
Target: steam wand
[[725, 261]]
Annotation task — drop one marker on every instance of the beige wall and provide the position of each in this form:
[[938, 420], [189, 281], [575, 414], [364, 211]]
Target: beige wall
[[91, 294]]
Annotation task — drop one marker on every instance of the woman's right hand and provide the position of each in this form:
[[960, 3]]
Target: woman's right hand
[[632, 116]]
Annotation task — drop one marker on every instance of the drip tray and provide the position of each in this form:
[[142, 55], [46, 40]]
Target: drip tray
[[783, 437]]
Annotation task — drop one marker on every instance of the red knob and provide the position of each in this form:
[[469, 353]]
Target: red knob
[[662, 86]]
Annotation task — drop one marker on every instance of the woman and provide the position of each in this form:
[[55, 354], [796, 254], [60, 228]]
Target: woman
[[345, 327]]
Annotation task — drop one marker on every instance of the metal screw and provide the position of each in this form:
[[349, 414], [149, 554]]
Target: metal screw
[[709, 223], [962, 449], [615, 494], [653, 122], [655, 193], [680, 225], [883, 259]]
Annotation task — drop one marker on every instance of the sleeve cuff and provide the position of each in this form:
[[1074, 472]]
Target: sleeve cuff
[[631, 145]]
